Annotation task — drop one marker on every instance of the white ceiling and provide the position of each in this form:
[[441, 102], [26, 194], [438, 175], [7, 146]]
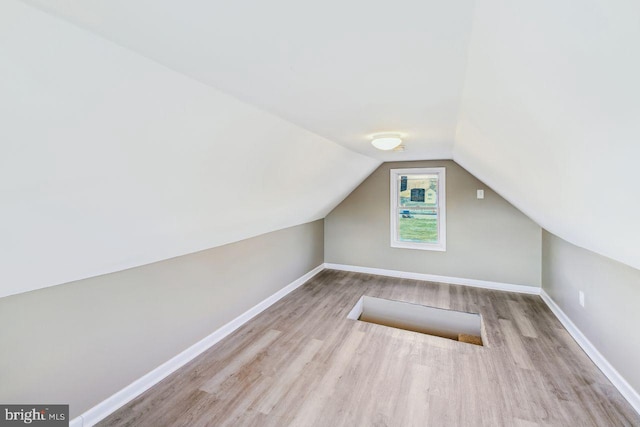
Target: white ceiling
[[551, 116], [109, 161], [540, 98], [341, 69]]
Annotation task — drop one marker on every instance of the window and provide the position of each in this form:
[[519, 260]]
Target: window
[[418, 217]]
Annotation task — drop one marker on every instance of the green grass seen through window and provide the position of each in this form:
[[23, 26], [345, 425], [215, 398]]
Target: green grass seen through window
[[419, 228]]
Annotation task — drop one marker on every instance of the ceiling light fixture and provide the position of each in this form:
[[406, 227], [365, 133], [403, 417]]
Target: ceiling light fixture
[[387, 141]]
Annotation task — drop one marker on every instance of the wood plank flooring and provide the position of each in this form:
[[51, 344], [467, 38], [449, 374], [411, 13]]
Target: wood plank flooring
[[303, 363]]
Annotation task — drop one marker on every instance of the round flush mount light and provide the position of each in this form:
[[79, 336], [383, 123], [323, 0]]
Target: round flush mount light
[[387, 141]]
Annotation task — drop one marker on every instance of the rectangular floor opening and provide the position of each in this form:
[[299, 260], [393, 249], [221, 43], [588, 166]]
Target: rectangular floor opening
[[451, 324]]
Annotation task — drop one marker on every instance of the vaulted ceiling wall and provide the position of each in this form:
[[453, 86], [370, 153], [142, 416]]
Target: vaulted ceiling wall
[[113, 158], [110, 160], [550, 116], [341, 69]]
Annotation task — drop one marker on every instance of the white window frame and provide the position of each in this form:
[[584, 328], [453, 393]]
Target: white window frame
[[442, 209]]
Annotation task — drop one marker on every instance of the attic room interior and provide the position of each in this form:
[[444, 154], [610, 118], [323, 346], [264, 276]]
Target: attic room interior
[[412, 213]]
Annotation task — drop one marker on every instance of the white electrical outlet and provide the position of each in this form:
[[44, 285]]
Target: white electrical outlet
[[581, 297], [480, 194]]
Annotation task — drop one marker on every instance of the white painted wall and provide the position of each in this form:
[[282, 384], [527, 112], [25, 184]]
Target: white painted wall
[[109, 160], [550, 116]]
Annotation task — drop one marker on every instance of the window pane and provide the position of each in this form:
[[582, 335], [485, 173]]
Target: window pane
[[418, 225], [418, 191], [418, 211]]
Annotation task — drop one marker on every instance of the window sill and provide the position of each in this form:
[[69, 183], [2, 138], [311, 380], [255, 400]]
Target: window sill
[[420, 246]]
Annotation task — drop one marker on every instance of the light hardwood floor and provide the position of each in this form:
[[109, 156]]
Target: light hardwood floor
[[303, 363]]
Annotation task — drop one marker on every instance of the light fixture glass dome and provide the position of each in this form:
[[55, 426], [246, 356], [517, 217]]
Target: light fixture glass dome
[[386, 142]]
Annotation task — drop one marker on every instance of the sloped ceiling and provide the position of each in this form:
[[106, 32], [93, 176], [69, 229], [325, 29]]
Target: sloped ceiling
[[110, 160], [341, 69], [551, 116], [539, 100]]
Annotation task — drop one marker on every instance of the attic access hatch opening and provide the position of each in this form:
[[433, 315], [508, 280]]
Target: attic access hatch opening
[[451, 324]]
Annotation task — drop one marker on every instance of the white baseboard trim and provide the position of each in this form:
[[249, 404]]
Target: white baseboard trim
[[628, 392], [498, 286], [130, 392]]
